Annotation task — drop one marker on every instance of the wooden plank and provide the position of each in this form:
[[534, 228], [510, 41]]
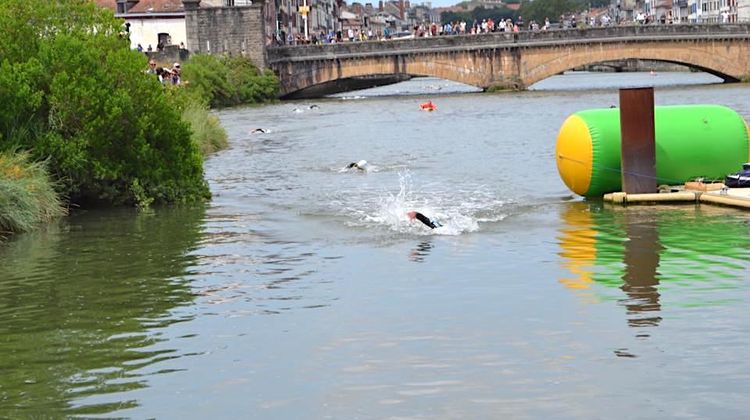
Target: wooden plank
[[638, 147]]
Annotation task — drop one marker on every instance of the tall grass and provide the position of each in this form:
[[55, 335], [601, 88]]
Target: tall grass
[[27, 196], [208, 133]]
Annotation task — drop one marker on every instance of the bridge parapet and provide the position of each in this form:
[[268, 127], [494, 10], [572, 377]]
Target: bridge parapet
[[506, 40], [515, 60]]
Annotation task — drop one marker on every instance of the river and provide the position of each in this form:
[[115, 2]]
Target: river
[[303, 291]]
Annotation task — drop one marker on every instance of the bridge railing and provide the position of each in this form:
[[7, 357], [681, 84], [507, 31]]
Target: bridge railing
[[505, 40]]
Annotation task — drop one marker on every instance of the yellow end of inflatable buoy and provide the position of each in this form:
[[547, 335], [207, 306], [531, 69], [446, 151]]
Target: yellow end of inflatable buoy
[[575, 154]]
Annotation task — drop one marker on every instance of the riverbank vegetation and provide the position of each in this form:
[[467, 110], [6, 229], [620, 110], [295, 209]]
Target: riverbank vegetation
[[536, 10], [27, 198], [75, 97], [206, 130], [229, 81]]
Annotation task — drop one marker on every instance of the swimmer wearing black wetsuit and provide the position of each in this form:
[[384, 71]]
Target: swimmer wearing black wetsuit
[[432, 224], [361, 165]]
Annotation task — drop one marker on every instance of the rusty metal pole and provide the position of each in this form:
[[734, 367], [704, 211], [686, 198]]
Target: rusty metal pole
[[638, 147]]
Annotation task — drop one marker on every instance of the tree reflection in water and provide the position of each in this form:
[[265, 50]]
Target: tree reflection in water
[[81, 306]]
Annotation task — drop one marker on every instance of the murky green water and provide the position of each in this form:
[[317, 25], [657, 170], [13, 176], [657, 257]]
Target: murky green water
[[82, 305], [302, 291]]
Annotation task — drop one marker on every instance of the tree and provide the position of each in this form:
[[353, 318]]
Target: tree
[[538, 10], [75, 94], [477, 14]]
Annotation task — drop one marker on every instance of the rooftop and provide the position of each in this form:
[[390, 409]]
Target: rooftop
[[145, 6]]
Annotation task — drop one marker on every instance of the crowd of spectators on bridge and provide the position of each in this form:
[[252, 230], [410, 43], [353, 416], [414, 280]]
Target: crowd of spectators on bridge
[[565, 21], [418, 31]]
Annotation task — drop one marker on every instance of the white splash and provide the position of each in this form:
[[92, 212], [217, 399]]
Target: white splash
[[391, 212]]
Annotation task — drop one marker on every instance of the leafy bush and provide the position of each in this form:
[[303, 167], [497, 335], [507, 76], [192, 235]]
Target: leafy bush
[[228, 81], [74, 93], [27, 196]]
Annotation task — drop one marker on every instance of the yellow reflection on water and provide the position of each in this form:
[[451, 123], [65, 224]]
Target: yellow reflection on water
[[578, 245], [694, 254]]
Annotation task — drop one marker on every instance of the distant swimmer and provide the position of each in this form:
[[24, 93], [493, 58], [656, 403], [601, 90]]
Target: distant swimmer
[[432, 224], [361, 165], [428, 106], [260, 131], [313, 106], [297, 110]]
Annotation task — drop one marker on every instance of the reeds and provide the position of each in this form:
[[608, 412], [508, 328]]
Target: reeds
[[208, 133], [27, 195]]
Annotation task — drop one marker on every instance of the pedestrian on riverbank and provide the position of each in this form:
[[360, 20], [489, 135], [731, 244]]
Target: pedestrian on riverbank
[[151, 67]]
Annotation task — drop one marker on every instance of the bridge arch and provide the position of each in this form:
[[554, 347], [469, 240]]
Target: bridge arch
[[513, 60], [697, 57], [457, 66]]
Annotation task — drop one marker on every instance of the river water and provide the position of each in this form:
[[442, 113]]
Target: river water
[[303, 291]]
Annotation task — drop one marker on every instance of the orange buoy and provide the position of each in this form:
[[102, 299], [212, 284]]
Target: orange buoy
[[428, 106]]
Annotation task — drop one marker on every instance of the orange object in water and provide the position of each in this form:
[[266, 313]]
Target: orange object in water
[[428, 106]]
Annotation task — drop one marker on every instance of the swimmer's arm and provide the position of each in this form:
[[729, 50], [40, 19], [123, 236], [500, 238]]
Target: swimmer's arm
[[429, 223]]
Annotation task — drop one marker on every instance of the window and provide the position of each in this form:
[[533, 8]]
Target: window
[[164, 39]]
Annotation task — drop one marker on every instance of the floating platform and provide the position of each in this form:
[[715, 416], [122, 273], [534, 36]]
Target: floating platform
[[691, 192]]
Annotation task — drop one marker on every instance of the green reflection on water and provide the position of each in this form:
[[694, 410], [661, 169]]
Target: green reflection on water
[[80, 304], [649, 251]]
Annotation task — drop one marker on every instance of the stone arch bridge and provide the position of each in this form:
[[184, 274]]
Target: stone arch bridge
[[507, 60]]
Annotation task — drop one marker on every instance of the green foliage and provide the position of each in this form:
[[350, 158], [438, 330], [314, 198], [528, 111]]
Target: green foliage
[[74, 93], [479, 13], [207, 132], [27, 196], [538, 10], [228, 81], [142, 199]]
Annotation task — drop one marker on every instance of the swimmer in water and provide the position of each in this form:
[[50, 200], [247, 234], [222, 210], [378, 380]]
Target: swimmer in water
[[313, 106], [432, 224], [260, 131], [361, 165]]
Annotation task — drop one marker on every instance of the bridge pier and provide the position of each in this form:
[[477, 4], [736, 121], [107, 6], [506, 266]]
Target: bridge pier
[[500, 61]]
